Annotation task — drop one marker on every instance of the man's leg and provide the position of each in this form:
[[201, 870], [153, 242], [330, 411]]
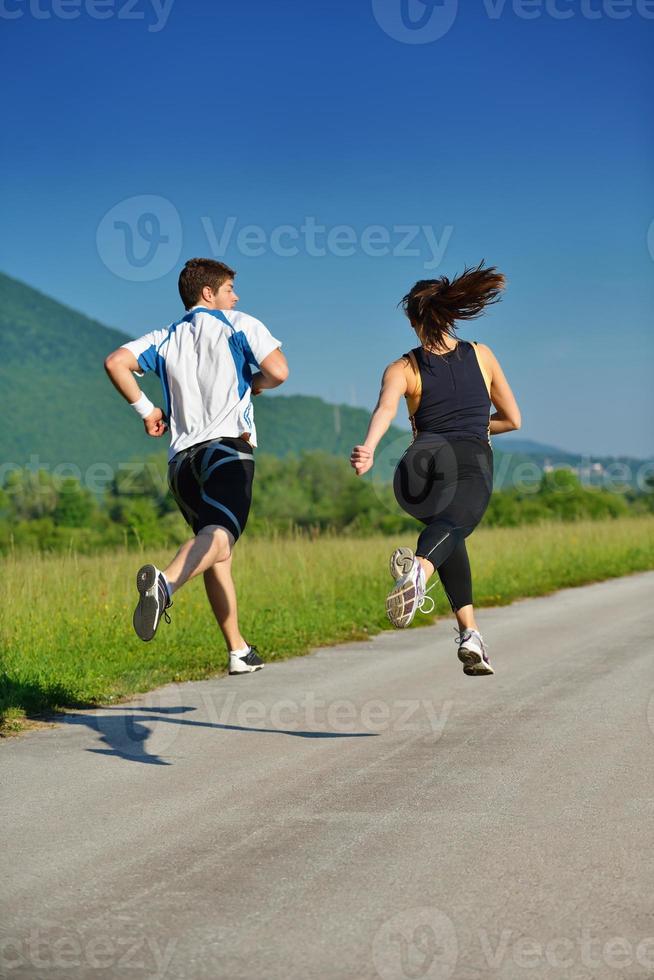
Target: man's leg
[[221, 594], [210, 545]]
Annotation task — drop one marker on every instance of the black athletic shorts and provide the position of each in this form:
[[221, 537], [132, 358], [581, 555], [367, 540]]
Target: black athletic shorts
[[212, 483]]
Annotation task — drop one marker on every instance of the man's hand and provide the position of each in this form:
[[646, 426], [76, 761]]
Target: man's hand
[[155, 425], [362, 459]]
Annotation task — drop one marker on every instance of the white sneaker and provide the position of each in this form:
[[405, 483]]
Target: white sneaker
[[410, 593], [472, 653], [245, 663]]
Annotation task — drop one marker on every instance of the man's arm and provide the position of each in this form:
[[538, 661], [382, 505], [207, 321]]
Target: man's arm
[[119, 365], [273, 372]]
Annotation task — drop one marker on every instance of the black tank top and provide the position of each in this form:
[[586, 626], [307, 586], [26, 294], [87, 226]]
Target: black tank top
[[455, 402]]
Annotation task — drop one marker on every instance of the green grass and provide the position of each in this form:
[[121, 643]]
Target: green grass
[[66, 632]]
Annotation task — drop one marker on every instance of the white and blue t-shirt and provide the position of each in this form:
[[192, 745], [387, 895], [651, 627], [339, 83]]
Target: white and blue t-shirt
[[205, 363]]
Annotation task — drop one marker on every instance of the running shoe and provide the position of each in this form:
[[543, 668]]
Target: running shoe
[[472, 653], [245, 663], [410, 593], [153, 601]]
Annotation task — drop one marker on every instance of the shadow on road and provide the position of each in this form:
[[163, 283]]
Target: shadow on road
[[130, 733]]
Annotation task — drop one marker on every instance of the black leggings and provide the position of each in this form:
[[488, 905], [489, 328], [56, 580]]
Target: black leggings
[[447, 485]]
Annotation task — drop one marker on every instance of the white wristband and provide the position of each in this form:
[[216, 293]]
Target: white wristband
[[143, 406]]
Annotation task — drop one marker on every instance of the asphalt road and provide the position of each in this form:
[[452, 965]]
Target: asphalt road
[[366, 811]]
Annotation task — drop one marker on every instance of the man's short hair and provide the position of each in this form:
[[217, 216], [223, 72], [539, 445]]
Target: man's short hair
[[198, 273]]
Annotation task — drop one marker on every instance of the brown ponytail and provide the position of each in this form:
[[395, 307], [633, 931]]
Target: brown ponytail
[[433, 305]]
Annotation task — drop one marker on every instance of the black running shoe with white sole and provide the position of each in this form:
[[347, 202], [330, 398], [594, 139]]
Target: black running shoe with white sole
[[153, 602], [472, 653], [246, 663]]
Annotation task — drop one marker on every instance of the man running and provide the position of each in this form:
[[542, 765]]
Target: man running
[[210, 363]]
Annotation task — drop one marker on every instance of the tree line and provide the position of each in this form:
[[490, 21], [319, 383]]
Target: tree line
[[313, 493]]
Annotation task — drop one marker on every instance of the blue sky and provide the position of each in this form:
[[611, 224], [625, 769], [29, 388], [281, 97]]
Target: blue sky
[[520, 135]]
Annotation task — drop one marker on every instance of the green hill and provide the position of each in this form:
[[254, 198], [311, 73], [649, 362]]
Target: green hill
[[58, 403]]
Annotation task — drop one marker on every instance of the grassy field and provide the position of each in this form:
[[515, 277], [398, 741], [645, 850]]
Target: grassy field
[[66, 632]]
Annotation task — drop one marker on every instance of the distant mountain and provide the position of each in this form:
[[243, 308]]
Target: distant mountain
[[59, 406], [519, 445]]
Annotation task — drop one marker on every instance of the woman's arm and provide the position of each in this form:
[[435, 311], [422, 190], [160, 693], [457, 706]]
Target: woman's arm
[[507, 417], [394, 386]]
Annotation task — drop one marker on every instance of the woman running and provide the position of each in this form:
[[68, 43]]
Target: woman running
[[445, 477]]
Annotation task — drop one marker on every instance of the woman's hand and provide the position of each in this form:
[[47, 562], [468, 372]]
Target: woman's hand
[[394, 385], [362, 459], [155, 424]]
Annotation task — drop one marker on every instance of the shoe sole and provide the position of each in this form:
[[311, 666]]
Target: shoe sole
[[400, 611], [400, 562], [146, 615], [247, 669], [474, 664]]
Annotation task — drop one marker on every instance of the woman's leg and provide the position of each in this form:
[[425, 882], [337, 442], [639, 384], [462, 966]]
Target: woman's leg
[[441, 548], [456, 579], [447, 485]]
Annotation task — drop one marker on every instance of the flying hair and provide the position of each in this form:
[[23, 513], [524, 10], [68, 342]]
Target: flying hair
[[434, 305]]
